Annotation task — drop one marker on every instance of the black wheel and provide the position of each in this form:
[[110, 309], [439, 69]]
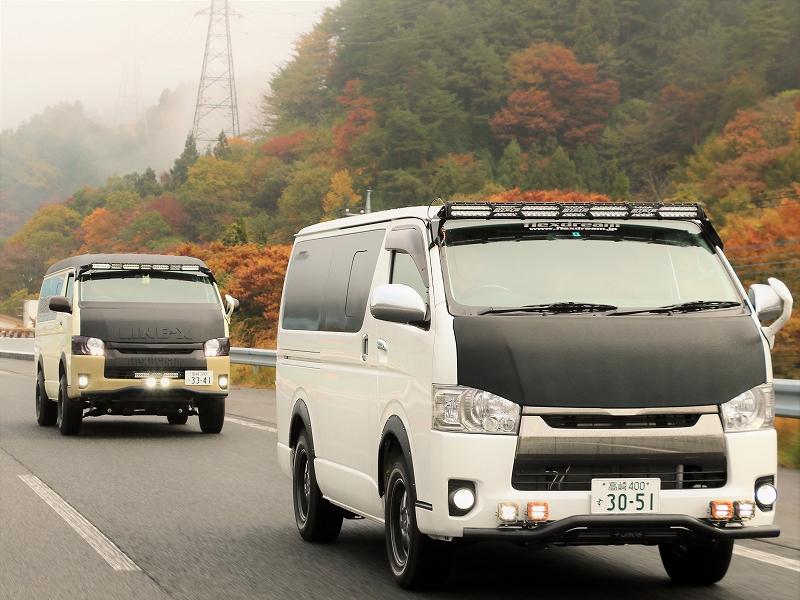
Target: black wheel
[[417, 561], [696, 565], [181, 418], [70, 412], [212, 415], [317, 519], [46, 409]]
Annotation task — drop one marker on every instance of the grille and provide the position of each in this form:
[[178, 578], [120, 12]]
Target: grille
[[153, 350], [112, 373], [646, 421], [533, 475]]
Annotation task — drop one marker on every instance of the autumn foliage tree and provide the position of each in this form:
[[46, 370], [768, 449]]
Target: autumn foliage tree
[[253, 275], [554, 95]]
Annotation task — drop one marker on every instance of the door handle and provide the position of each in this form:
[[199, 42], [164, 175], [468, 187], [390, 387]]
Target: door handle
[[364, 347], [382, 345]]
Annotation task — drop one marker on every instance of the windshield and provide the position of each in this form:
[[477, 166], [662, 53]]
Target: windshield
[[631, 265], [165, 287]]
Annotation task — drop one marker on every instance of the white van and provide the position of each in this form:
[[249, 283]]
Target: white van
[[131, 334], [569, 374]]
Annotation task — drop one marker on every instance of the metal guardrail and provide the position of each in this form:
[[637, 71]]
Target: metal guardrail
[[254, 356], [787, 397], [787, 391]]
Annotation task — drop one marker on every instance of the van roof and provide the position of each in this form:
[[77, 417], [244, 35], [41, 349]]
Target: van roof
[[382, 216], [86, 260]]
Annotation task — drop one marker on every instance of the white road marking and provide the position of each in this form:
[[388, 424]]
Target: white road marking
[[253, 425], [104, 546], [766, 557]]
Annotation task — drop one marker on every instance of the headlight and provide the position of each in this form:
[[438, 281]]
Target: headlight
[[217, 347], [751, 410], [468, 410], [87, 346]]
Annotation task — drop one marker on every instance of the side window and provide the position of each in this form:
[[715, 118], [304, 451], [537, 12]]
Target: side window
[[304, 296], [405, 271], [70, 286], [352, 268], [51, 286]]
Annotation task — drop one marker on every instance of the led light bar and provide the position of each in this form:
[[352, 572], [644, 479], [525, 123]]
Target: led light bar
[[562, 210], [139, 375], [144, 267]]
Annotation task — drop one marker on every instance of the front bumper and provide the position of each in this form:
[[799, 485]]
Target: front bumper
[[488, 460], [136, 390], [621, 529]]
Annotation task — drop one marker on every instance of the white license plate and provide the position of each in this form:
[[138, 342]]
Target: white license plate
[[199, 377], [625, 496]]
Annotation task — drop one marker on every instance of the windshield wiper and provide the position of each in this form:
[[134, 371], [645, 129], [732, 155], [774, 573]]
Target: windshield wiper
[[554, 307], [683, 307]]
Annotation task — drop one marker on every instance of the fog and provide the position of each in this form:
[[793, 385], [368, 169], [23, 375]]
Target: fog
[[57, 51]]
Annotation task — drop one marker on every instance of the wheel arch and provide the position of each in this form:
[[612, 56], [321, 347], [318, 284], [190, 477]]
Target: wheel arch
[[300, 420], [394, 437]]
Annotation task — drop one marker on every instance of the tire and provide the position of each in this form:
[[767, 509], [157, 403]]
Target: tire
[[696, 565], [317, 519], [181, 418], [416, 560], [212, 415], [46, 409], [70, 412]]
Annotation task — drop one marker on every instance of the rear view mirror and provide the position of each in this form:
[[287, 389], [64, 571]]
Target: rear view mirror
[[771, 301], [231, 304], [397, 303], [60, 304]]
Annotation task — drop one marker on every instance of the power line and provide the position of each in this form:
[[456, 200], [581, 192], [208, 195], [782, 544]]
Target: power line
[[779, 262], [761, 256], [780, 243]]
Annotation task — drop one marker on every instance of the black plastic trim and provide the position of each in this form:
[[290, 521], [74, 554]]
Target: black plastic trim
[[395, 426], [620, 523]]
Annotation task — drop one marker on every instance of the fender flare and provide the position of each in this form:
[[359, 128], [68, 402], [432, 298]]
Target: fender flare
[[300, 411], [395, 428]]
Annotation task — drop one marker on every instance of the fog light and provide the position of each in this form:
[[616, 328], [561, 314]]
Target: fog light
[[164, 382], [464, 498], [744, 509], [223, 382], [151, 382], [721, 510], [83, 381], [508, 512], [766, 494], [538, 511]]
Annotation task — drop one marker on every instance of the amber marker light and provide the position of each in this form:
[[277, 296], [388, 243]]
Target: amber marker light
[[744, 509], [538, 511], [508, 512], [721, 510]]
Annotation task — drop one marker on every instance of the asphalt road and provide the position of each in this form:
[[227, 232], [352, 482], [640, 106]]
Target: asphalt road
[[210, 516]]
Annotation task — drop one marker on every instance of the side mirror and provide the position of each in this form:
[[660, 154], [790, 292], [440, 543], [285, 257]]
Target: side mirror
[[397, 303], [231, 304], [766, 302], [770, 301], [60, 304]]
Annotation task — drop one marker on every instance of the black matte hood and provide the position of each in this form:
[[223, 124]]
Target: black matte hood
[[152, 323], [601, 361]]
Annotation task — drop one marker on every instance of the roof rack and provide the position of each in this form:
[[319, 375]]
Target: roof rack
[[580, 210]]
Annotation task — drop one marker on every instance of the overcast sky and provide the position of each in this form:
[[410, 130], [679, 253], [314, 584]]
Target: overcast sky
[[52, 51]]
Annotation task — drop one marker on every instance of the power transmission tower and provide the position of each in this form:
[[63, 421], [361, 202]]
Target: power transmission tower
[[130, 101], [216, 108]]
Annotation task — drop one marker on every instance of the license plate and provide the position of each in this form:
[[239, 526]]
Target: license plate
[[199, 377], [625, 496]]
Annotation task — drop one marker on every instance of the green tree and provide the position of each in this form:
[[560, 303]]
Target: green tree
[[558, 173], [509, 169], [180, 172], [589, 169]]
